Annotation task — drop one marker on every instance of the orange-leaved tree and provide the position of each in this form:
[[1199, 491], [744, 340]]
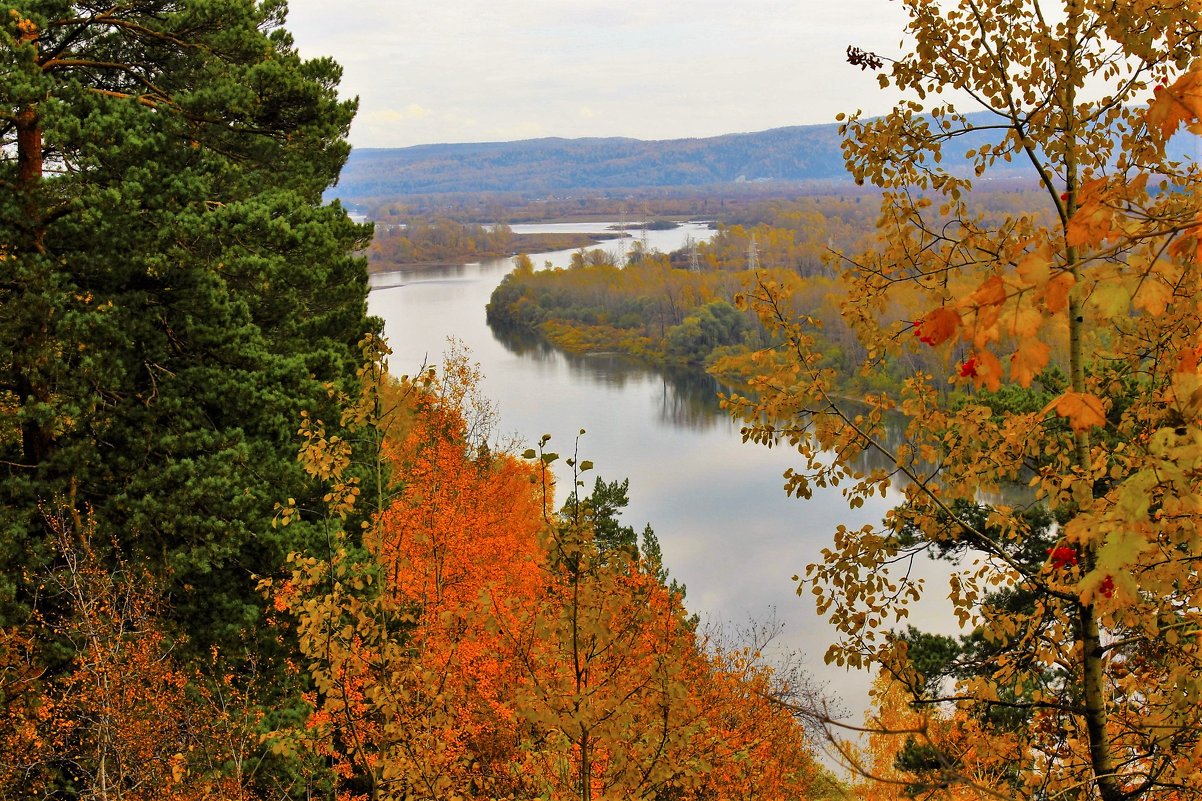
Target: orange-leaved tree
[[1071, 336], [472, 642], [755, 745], [410, 693]]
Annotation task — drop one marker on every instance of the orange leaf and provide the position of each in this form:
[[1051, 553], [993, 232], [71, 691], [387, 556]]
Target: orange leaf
[[1176, 104], [1091, 223], [1083, 410], [1055, 297], [988, 371], [1025, 322], [1187, 360], [1188, 246], [990, 293], [938, 325]]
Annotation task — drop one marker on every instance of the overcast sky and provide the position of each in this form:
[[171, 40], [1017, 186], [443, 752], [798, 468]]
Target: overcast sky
[[498, 70]]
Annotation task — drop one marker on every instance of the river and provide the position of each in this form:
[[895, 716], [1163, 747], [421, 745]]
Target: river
[[727, 530]]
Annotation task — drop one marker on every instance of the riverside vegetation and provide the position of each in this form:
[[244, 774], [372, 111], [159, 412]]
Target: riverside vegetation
[[666, 309]]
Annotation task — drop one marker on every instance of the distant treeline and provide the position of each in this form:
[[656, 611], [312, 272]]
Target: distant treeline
[[727, 202], [444, 241]]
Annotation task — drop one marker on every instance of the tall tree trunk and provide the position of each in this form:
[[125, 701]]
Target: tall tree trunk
[[36, 438], [1092, 653]]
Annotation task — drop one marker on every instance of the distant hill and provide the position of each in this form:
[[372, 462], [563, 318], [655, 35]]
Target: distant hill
[[791, 155], [548, 165]]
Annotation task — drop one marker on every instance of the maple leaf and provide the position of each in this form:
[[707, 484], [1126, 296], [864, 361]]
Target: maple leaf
[[1035, 268], [1111, 298], [1173, 105], [1188, 246], [1029, 360], [1083, 410], [990, 293], [1092, 222], [987, 370], [1055, 296], [937, 326], [1153, 296]]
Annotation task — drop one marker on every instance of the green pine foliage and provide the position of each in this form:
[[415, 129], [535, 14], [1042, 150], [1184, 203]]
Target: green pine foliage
[[174, 290]]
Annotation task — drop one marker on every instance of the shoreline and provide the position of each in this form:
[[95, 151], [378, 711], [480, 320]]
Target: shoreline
[[526, 243]]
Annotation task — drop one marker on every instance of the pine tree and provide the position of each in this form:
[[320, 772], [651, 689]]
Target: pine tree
[[174, 292]]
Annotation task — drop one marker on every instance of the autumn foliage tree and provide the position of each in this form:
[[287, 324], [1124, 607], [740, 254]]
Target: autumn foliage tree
[[606, 657], [481, 644], [1100, 657]]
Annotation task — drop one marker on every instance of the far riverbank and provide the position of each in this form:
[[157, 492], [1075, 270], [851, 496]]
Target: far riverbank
[[518, 243]]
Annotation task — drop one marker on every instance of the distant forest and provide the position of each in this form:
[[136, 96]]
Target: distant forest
[[795, 154]]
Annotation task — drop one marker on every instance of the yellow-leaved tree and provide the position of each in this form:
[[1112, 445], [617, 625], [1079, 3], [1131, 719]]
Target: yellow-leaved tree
[[1070, 336]]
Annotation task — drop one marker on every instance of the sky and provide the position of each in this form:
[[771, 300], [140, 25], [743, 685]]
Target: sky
[[501, 70]]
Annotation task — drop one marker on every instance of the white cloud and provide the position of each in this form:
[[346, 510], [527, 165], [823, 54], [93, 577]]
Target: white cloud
[[485, 69]]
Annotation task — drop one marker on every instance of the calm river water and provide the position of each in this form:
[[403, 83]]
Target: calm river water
[[727, 530]]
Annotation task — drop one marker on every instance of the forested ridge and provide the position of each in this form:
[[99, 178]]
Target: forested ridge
[[808, 153]]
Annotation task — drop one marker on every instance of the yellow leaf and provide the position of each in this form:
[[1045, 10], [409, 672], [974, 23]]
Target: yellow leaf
[[1153, 296], [1028, 361], [1110, 298], [1083, 410], [1035, 268]]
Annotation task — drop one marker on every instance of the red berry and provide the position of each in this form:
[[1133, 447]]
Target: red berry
[[1063, 556]]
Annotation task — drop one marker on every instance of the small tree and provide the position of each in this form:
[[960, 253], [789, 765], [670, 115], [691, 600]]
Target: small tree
[[606, 657], [1102, 656]]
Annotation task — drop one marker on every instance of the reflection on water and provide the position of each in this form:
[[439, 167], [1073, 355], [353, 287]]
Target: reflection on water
[[687, 397], [524, 343], [690, 398]]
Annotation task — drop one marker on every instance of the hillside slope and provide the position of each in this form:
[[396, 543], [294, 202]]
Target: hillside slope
[[544, 165]]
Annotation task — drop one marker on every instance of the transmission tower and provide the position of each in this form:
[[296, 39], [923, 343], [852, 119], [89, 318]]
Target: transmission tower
[[645, 249]]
